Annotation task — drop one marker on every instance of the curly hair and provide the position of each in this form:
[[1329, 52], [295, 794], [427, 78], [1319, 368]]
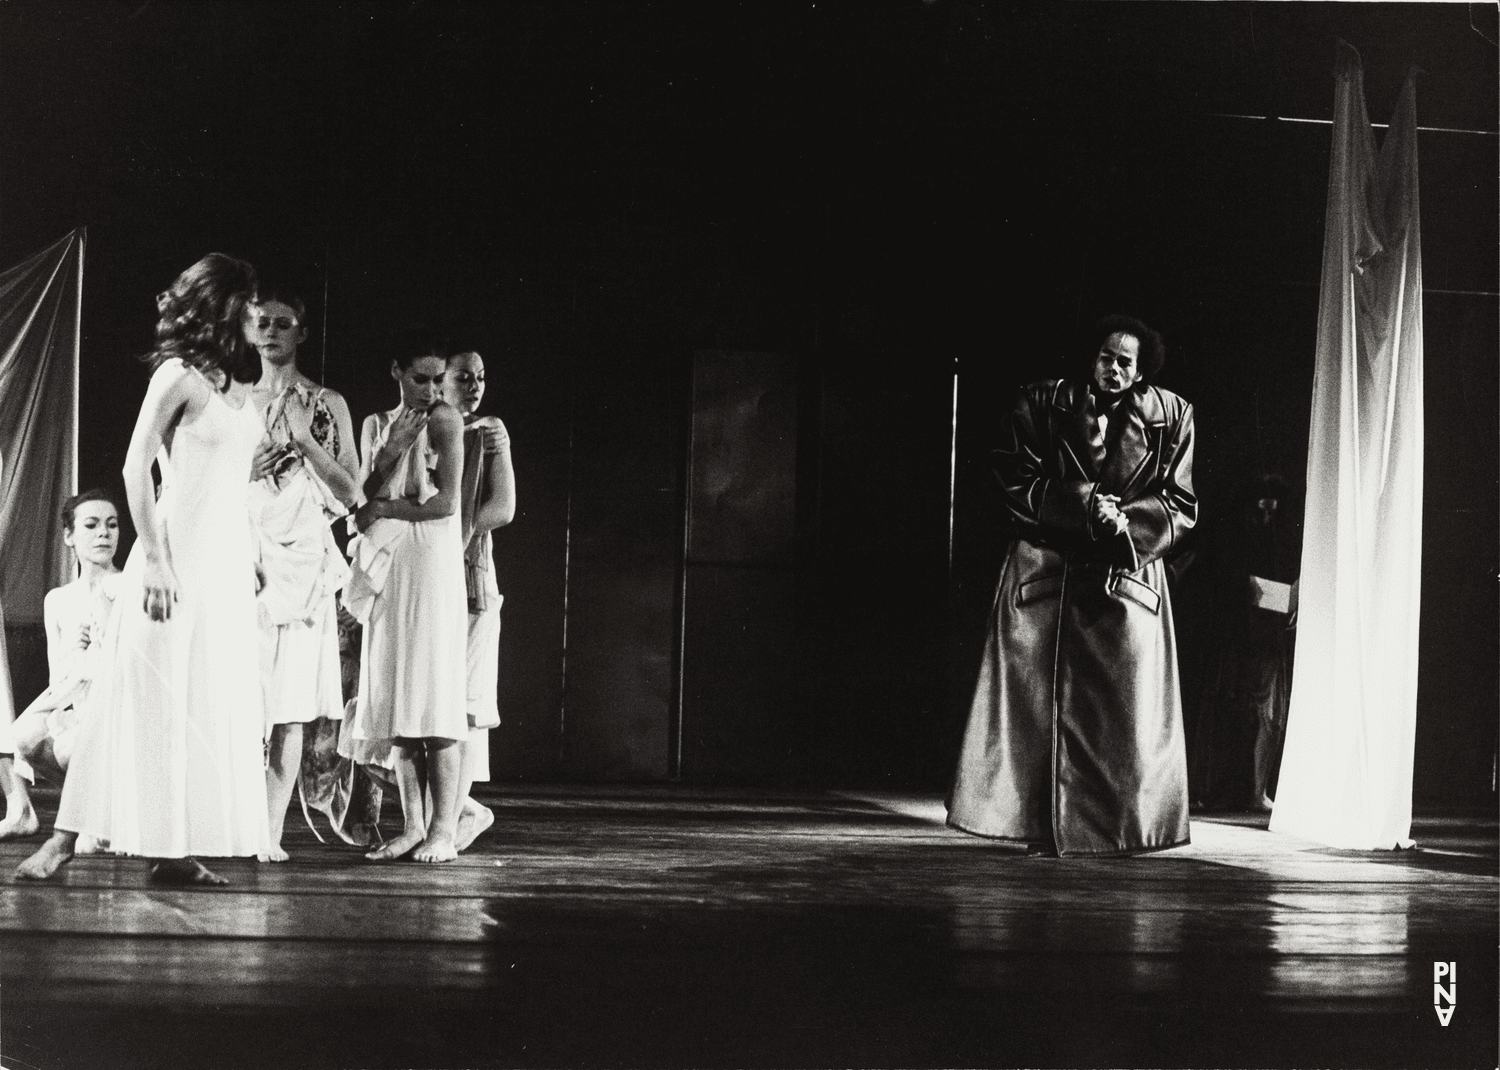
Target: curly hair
[[201, 318], [1153, 352], [95, 494]]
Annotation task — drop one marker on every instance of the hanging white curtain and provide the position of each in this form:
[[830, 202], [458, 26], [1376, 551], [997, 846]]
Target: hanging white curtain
[[1346, 775], [40, 302]]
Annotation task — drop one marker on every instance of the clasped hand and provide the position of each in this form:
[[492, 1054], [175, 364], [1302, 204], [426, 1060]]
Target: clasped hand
[[268, 458], [404, 431], [496, 438], [299, 416], [368, 513], [1108, 514]]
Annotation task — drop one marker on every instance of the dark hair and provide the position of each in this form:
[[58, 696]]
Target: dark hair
[[201, 320], [1153, 352], [417, 342], [93, 494], [266, 294]]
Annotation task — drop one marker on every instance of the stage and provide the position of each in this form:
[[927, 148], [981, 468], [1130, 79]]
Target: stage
[[615, 926]]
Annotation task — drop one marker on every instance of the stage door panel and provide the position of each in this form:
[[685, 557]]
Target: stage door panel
[[739, 591], [625, 547], [532, 397]]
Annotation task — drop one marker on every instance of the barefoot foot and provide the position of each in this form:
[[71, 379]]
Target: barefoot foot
[[19, 821], [52, 856], [435, 848], [394, 849], [88, 845], [182, 871], [472, 821], [277, 853]]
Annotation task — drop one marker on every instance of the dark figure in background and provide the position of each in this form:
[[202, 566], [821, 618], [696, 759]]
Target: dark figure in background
[[1075, 738], [1257, 557]]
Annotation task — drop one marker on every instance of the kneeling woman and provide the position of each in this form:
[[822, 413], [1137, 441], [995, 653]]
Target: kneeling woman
[[76, 615], [408, 591]]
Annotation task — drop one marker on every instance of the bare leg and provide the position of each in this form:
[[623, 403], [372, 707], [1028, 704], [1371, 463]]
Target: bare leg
[[187, 871], [444, 767], [473, 818], [409, 781], [20, 817], [49, 858], [285, 762]]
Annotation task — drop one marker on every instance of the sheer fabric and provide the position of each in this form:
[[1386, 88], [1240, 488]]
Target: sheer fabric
[[1346, 775], [40, 303], [40, 300], [169, 758]]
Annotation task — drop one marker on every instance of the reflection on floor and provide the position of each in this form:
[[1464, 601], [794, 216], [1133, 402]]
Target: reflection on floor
[[670, 927]]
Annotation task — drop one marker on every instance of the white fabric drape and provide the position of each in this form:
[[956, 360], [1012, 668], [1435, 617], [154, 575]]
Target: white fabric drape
[[40, 303], [1346, 775]]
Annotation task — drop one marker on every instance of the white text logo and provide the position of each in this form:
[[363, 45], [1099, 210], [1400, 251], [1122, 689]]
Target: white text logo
[[1445, 993]]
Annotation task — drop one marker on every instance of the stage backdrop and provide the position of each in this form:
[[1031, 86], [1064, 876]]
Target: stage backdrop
[[40, 304]]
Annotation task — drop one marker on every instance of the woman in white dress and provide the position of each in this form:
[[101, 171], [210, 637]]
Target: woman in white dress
[[488, 501], [305, 474], [76, 615], [407, 589], [168, 762]]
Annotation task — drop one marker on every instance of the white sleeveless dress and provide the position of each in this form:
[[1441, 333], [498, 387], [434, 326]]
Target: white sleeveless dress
[[407, 589], [169, 759]]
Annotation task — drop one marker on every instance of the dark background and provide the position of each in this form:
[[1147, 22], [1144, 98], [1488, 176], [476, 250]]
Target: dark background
[[882, 194]]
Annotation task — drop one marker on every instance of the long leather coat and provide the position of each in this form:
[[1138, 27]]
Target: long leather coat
[[1075, 735]]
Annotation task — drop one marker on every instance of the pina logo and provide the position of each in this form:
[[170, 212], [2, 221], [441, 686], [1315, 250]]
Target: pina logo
[[1445, 993]]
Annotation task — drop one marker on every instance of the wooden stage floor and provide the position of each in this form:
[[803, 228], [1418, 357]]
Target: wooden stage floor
[[670, 927]]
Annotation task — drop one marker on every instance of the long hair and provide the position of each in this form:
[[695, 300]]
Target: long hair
[[201, 320]]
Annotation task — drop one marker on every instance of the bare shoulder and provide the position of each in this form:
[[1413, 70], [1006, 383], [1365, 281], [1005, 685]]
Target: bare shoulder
[[444, 418], [174, 375], [336, 403]]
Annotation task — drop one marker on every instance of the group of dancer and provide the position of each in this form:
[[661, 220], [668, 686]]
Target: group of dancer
[[180, 688]]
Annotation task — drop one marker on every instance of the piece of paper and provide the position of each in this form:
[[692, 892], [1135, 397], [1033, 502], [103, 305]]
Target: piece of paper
[[1268, 594]]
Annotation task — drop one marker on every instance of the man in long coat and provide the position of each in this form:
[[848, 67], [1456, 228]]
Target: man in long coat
[[1075, 739]]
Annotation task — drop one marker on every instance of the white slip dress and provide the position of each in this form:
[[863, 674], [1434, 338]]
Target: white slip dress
[[169, 760], [407, 589]]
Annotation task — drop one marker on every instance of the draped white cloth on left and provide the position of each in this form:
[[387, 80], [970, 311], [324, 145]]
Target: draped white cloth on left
[[1346, 774], [41, 300]]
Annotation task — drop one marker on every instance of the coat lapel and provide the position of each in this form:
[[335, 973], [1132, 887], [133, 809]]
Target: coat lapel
[[1080, 437], [1134, 436]]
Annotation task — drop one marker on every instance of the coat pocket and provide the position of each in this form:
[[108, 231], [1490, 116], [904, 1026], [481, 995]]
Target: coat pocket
[[1141, 594], [1037, 589]]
